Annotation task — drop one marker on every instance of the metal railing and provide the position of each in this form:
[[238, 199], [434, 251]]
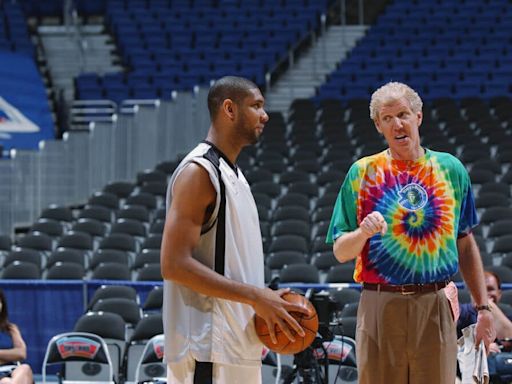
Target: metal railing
[[74, 30], [289, 60], [66, 172]]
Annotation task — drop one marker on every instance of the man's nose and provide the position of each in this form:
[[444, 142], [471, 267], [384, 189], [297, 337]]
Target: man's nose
[[264, 117], [397, 122]]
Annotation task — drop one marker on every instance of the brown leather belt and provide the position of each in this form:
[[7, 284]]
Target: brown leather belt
[[406, 289]]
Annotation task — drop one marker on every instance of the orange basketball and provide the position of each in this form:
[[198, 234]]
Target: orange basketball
[[284, 345]]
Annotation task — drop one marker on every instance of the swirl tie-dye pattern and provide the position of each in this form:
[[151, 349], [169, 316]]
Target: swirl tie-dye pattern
[[426, 203]]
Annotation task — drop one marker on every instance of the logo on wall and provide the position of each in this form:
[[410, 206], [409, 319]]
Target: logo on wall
[[13, 121], [413, 197]]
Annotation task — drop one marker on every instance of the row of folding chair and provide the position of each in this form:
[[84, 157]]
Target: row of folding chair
[[298, 272], [25, 270], [92, 226], [169, 69], [151, 303], [322, 116], [126, 302], [125, 352], [169, 82], [492, 173], [219, 25], [428, 92], [294, 247], [14, 35], [184, 82], [135, 29], [86, 258], [114, 312], [453, 76], [90, 234], [292, 267], [470, 45]]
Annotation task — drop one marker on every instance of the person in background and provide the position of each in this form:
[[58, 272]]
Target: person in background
[[12, 350], [405, 215], [502, 322]]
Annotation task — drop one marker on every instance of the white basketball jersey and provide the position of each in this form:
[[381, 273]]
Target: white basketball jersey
[[209, 328]]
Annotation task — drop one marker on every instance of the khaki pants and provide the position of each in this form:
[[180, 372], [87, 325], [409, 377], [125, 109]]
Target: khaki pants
[[405, 339]]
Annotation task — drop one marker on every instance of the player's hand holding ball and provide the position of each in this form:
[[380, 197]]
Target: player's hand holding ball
[[301, 331]]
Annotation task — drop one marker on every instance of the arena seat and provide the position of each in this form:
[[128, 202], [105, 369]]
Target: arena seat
[[175, 41], [148, 327], [80, 347], [65, 270], [448, 56], [154, 300]]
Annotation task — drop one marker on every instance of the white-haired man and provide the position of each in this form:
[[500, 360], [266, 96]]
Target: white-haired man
[[405, 214]]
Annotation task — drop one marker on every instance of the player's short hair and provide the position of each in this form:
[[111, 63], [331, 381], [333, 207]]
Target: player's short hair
[[228, 87], [394, 91]]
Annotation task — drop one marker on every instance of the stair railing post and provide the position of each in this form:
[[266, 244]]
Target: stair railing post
[[315, 59], [291, 62], [360, 11], [72, 23], [323, 20], [343, 20]]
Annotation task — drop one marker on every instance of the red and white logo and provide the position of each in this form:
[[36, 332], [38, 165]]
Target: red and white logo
[[76, 346]]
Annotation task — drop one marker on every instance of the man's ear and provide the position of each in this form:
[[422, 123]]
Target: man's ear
[[377, 127], [419, 115], [229, 108]]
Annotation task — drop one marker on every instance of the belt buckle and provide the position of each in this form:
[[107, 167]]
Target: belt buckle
[[405, 292]]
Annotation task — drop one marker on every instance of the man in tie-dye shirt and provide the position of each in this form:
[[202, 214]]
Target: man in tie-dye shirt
[[405, 215]]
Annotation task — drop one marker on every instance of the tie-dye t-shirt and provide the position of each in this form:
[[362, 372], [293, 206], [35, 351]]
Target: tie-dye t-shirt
[[427, 204]]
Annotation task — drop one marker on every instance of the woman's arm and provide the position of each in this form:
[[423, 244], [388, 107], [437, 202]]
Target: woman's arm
[[18, 351]]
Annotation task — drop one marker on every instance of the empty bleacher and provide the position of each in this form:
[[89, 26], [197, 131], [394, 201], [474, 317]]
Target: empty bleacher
[[169, 46], [449, 49]]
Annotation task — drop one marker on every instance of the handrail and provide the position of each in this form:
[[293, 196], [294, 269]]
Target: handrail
[[74, 30], [324, 21], [82, 112], [290, 58]]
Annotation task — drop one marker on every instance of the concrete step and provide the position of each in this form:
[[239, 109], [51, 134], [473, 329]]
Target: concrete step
[[290, 93], [310, 83], [56, 50], [92, 52], [63, 84], [62, 50], [309, 71], [69, 94], [281, 106], [71, 36], [93, 29], [320, 59], [71, 74], [62, 71], [65, 62], [318, 68]]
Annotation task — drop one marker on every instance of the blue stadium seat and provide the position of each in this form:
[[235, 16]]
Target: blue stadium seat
[[467, 89], [439, 90], [494, 89]]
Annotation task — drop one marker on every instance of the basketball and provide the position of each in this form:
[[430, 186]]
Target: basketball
[[284, 345]]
